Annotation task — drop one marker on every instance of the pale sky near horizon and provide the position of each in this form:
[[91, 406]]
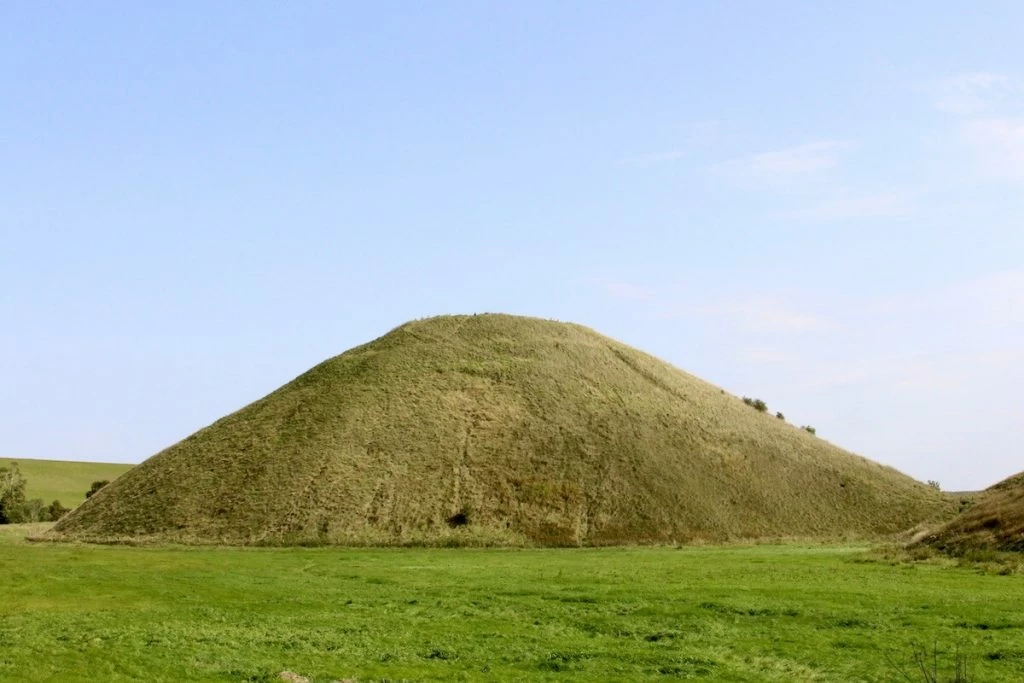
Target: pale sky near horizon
[[817, 204]]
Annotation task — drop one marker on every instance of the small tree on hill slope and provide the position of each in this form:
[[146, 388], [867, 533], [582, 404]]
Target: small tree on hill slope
[[96, 486]]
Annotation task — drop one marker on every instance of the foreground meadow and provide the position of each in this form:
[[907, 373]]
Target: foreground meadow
[[740, 613]]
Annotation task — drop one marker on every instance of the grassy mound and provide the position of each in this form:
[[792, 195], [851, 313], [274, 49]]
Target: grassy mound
[[63, 480], [495, 429], [994, 522]]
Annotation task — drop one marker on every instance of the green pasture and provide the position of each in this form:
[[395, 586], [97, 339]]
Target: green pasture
[[724, 613], [64, 481]]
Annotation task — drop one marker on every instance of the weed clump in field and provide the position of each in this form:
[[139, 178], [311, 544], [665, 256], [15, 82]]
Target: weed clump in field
[[931, 665]]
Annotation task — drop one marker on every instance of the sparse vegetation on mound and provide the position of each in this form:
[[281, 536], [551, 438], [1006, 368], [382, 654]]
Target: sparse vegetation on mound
[[494, 429], [992, 521], [756, 403]]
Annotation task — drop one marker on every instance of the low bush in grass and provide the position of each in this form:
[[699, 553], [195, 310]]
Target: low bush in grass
[[756, 403]]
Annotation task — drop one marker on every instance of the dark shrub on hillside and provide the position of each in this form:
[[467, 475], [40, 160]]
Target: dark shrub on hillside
[[57, 511], [460, 518], [810, 429], [780, 416], [96, 486], [756, 403]]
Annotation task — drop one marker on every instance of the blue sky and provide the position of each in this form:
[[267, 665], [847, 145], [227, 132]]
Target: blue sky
[[818, 206]]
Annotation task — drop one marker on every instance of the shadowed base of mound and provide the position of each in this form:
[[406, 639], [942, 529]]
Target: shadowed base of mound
[[500, 430], [369, 538], [994, 522]]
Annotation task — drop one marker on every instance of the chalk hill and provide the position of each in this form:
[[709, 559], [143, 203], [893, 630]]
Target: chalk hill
[[499, 429]]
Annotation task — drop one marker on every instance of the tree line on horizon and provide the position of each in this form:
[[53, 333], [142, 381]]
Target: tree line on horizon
[[15, 508]]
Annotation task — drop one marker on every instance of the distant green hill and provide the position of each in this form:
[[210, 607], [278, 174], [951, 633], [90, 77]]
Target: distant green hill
[[64, 481], [500, 429]]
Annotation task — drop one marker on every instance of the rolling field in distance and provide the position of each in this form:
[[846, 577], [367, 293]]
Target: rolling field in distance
[[725, 613], [64, 481]]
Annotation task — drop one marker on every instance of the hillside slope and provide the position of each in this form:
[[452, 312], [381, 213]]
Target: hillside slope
[[61, 480], [994, 522], [496, 428]]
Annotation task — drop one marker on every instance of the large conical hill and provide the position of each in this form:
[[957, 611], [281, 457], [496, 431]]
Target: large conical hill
[[499, 429], [995, 521]]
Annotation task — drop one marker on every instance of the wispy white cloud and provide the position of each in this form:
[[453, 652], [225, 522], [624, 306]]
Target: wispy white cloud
[[883, 374], [815, 169], [942, 338], [1000, 295], [800, 164], [876, 338], [765, 313], [763, 357], [991, 300], [988, 307], [877, 205], [913, 372], [627, 291], [988, 107], [975, 93], [654, 158], [694, 134], [999, 143], [701, 132]]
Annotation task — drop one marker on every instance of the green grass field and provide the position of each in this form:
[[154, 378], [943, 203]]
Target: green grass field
[[64, 481], [739, 613]]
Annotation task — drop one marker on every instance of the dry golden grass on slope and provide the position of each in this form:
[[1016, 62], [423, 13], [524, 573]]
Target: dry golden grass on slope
[[995, 521], [495, 429]]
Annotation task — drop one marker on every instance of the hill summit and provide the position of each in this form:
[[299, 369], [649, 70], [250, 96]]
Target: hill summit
[[498, 429], [994, 522]]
